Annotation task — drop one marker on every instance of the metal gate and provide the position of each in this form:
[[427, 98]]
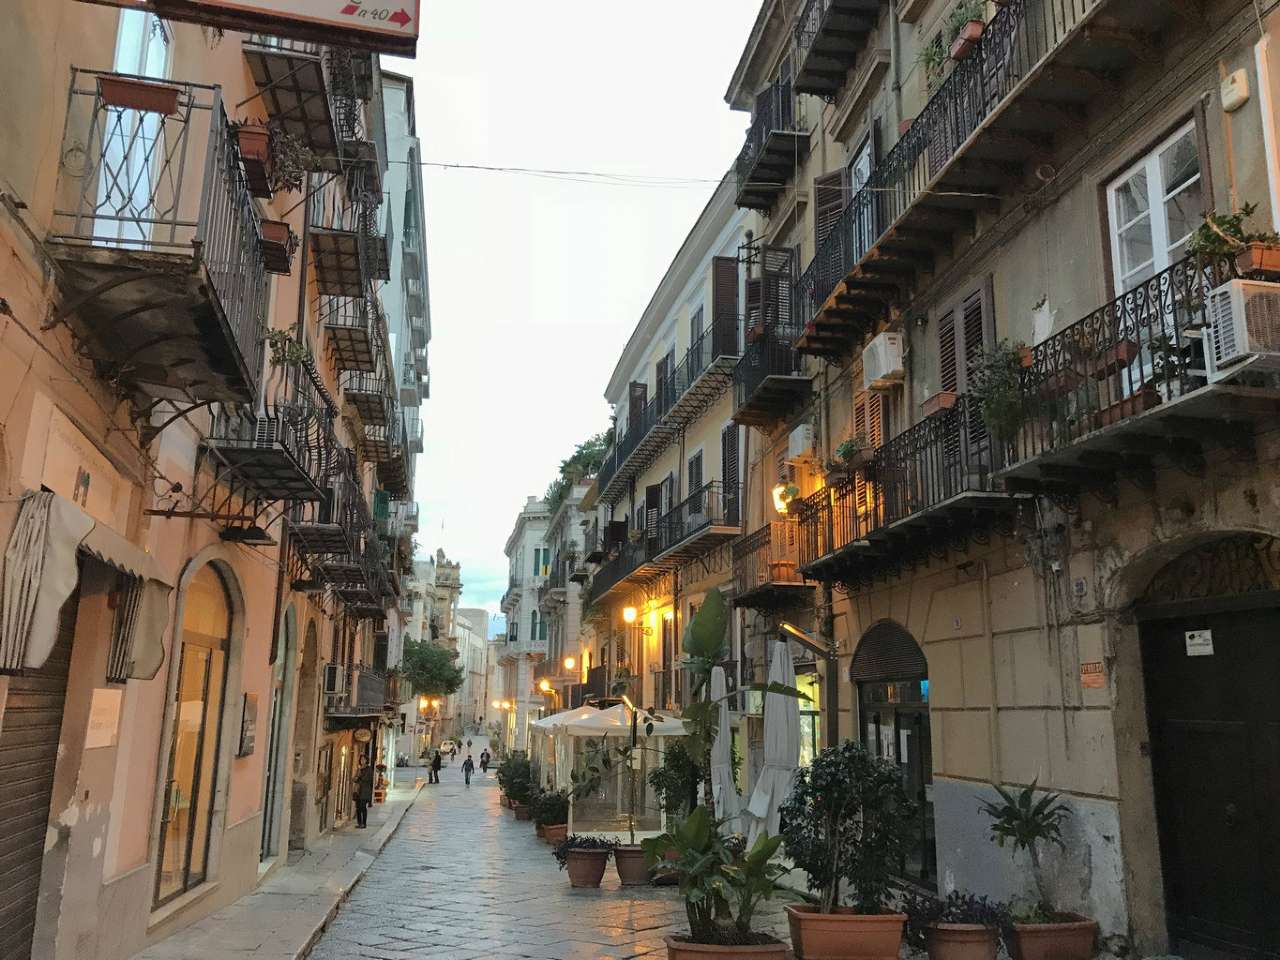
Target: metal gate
[[29, 733]]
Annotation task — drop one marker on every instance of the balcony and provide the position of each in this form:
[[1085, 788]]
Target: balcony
[[630, 560], [706, 371], [367, 695], [294, 88], [1035, 70], [393, 467], [766, 568], [930, 488], [413, 429], [703, 520], [331, 527], [369, 395], [282, 453], [647, 433], [830, 35], [353, 330], [158, 241], [410, 513], [775, 145], [768, 382], [1118, 391], [592, 545], [409, 393], [348, 237]]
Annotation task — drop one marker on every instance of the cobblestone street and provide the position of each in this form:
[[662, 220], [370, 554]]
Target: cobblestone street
[[462, 879]]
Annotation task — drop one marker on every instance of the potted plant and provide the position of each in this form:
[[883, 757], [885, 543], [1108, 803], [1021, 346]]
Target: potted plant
[[279, 244], [291, 160], [584, 858], [551, 815], [995, 384], [1043, 932], [131, 94], [722, 883], [960, 927], [856, 451], [1257, 252], [846, 824], [518, 785], [284, 349], [965, 25]]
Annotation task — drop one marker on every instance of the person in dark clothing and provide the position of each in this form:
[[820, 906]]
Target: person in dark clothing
[[436, 764], [468, 768], [484, 761], [363, 792]]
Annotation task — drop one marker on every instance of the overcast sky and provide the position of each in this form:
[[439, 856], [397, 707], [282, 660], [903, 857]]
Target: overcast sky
[[537, 282]]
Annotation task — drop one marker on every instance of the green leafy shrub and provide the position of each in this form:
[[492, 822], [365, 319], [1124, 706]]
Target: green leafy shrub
[[1025, 823], [550, 808], [924, 911], [579, 842]]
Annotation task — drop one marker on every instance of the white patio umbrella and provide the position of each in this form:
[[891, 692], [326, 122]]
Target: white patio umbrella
[[781, 746], [616, 722], [728, 802]]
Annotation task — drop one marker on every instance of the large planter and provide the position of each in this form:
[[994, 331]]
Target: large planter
[[138, 95], [1073, 939], [844, 935], [632, 870], [522, 811], [1259, 258], [555, 833], [961, 941], [679, 950], [586, 867], [967, 39], [255, 156]]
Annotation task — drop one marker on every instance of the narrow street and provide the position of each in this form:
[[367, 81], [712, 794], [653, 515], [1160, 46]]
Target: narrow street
[[461, 879]]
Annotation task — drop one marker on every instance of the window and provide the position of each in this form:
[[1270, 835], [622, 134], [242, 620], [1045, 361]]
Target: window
[[1154, 207], [541, 561], [695, 483]]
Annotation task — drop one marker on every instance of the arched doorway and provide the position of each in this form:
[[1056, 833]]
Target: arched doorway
[[186, 816], [277, 736], [305, 783], [1210, 634], [892, 679]]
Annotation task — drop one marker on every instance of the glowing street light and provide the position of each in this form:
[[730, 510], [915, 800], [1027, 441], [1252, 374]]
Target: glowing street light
[[544, 685], [629, 614], [570, 663]]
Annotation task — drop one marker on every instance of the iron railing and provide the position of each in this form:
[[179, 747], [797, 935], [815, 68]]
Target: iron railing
[[626, 559], [366, 694], [342, 510], [775, 110], [413, 429], [1127, 356], [809, 27], [770, 354], [769, 555], [341, 207], [167, 183], [927, 464], [711, 505], [1014, 43]]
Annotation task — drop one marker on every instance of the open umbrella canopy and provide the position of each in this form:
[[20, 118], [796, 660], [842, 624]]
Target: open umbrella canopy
[[728, 801], [781, 746], [550, 723], [616, 722]]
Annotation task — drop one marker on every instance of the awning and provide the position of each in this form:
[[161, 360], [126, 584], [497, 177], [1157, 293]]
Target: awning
[[40, 573]]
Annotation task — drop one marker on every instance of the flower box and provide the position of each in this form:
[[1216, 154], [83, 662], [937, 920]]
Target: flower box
[[278, 246], [1258, 258], [138, 95], [1115, 358], [938, 403], [255, 156], [967, 39], [1128, 407]]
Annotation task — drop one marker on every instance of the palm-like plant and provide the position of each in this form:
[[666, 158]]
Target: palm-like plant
[[1027, 823]]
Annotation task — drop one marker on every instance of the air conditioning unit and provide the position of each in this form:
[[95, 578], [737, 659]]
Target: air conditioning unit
[[335, 679], [800, 442], [882, 362], [1244, 328]]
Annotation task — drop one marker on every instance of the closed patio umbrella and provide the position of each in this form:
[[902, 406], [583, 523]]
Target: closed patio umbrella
[[781, 746], [725, 791]]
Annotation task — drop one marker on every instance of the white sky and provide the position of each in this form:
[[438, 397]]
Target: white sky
[[536, 283]]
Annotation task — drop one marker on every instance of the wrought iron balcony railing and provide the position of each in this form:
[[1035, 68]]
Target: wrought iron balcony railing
[[354, 329], [150, 186], [1128, 356], [710, 507], [366, 695], [1014, 43], [767, 561], [775, 144], [768, 378], [348, 235], [829, 37], [624, 561]]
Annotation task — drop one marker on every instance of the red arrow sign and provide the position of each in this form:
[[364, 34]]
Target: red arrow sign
[[400, 18], [350, 9]]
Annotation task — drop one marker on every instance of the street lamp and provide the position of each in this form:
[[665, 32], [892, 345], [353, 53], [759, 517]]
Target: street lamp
[[628, 614], [544, 685], [570, 663]]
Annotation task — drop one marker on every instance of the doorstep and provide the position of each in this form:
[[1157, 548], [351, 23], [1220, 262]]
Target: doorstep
[[285, 915]]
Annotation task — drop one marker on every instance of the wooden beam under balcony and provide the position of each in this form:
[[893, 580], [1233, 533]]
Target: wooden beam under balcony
[[293, 92], [830, 34]]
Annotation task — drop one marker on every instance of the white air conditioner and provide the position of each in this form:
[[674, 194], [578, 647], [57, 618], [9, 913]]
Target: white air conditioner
[[1244, 325], [335, 679], [800, 442], [882, 362]]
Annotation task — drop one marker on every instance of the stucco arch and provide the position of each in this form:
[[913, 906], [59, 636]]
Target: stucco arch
[[888, 651]]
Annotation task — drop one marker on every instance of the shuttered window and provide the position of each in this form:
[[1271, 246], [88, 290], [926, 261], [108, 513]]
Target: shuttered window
[[830, 194], [868, 419], [729, 472], [777, 274], [965, 332], [637, 397], [695, 482], [724, 307]]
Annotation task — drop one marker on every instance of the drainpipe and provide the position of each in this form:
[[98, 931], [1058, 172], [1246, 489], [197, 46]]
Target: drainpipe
[[895, 56], [997, 766]]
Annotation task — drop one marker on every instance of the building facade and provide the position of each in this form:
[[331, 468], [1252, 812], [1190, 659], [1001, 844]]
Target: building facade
[[199, 443], [529, 567], [999, 464]]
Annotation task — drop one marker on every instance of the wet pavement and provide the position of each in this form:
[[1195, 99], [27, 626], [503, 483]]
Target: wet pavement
[[462, 879]]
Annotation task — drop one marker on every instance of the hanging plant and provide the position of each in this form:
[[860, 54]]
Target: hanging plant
[[285, 350], [291, 160]]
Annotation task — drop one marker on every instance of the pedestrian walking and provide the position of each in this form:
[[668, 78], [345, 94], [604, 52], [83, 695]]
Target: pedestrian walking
[[363, 792], [436, 764], [484, 761], [468, 768]]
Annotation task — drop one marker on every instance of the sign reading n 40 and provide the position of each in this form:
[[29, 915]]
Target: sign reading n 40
[[390, 26]]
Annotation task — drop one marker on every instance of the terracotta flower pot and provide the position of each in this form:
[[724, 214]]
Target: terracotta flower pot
[[680, 950], [967, 39], [961, 941], [586, 867], [138, 95], [522, 811], [1259, 258], [632, 870], [255, 156], [1073, 939], [555, 833], [938, 403], [844, 935], [278, 246]]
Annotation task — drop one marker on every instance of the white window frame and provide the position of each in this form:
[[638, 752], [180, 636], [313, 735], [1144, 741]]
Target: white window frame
[[1156, 200]]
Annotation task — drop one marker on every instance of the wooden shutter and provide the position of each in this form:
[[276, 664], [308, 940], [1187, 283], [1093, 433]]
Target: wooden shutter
[[637, 398], [755, 309], [777, 274], [724, 307], [830, 194], [662, 380], [652, 511], [948, 361], [695, 483], [729, 472]]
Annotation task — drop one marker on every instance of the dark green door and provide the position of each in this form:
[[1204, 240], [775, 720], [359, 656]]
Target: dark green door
[[1215, 730]]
